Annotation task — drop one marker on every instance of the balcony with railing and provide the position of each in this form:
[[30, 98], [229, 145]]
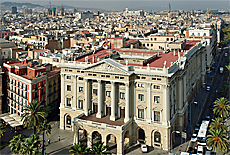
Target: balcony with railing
[[103, 122]]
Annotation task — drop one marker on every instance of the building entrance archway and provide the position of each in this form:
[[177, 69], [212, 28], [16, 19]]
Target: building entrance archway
[[82, 136], [96, 137], [141, 135], [111, 141]]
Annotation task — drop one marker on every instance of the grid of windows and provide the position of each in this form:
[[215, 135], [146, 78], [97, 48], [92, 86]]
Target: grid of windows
[[156, 99], [141, 97], [68, 88], [141, 113], [122, 95]]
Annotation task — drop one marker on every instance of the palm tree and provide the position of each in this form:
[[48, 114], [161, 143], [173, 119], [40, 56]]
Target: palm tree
[[45, 127], [34, 116], [221, 107], [218, 124], [15, 144], [30, 146], [100, 148], [79, 149], [217, 140], [2, 130]]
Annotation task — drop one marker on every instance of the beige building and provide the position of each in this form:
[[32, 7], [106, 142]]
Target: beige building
[[1, 92], [130, 95]]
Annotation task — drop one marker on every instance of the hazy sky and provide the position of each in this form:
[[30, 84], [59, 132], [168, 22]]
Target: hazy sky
[[155, 5]]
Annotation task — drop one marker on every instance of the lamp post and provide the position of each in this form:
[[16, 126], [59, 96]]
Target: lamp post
[[171, 140]]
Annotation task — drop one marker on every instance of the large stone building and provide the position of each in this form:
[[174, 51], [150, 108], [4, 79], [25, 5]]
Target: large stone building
[[130, 95]]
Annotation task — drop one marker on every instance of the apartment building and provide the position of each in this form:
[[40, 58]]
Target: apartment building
[[210, 36], [122, 96], [28, 81]]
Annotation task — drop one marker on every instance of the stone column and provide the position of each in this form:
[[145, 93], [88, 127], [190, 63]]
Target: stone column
[[86, 105], [127, 104], [149, 103], [74, 106], [120, 145], [165, 106], [100, 101], [62, 90], [89, 140], [76, 135], [113, 102], [180, 96]]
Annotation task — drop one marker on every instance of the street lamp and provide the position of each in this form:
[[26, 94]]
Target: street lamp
[[171, 140]]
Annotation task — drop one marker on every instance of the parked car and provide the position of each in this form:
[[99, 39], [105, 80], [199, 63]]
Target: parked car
[[194, 137], [208, 118], [208, 88], [144, 148], [200, 150]]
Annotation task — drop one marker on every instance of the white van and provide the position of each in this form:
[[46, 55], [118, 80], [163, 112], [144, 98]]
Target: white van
[[200, 150]]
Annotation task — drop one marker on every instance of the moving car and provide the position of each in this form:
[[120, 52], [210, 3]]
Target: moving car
[[208, 88], [144, 148], [194, 137]]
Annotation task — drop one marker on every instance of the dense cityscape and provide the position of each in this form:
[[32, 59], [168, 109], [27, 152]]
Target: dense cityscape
[[90, 81]]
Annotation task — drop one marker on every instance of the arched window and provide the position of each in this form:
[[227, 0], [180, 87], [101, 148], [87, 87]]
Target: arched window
[[68, 120], [157, 137]]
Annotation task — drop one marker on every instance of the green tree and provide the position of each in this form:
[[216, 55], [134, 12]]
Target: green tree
[[218, 124], [44, 127], [100, 148], [221, 107], [30, 145], [217, 140], [15, 143], [224, 89], [33, 115], [2, 130], [79, 149]]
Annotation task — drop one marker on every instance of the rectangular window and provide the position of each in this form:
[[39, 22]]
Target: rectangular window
[[141, 113], [80, 104], [80, 78], [94, 91], [141, 97], [81, 89], [140, 85], [68, 88], [108, 93], [156, 99], [157, 116], [122, 95], [68, 77], [156, 87], [68, 102]]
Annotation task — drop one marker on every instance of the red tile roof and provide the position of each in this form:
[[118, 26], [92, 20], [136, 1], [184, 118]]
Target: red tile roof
[[157, 62], [190, 44]]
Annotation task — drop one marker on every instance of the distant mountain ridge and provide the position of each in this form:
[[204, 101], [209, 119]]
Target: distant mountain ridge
[[8, 5], [28, 5]]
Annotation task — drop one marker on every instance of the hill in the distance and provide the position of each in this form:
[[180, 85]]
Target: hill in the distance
[[28, 5], [8, 5]]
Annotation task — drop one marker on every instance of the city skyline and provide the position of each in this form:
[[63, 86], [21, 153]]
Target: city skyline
[[153, 5]]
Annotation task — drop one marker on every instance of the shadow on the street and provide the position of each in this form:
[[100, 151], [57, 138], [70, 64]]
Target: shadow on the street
[[62, 150]]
